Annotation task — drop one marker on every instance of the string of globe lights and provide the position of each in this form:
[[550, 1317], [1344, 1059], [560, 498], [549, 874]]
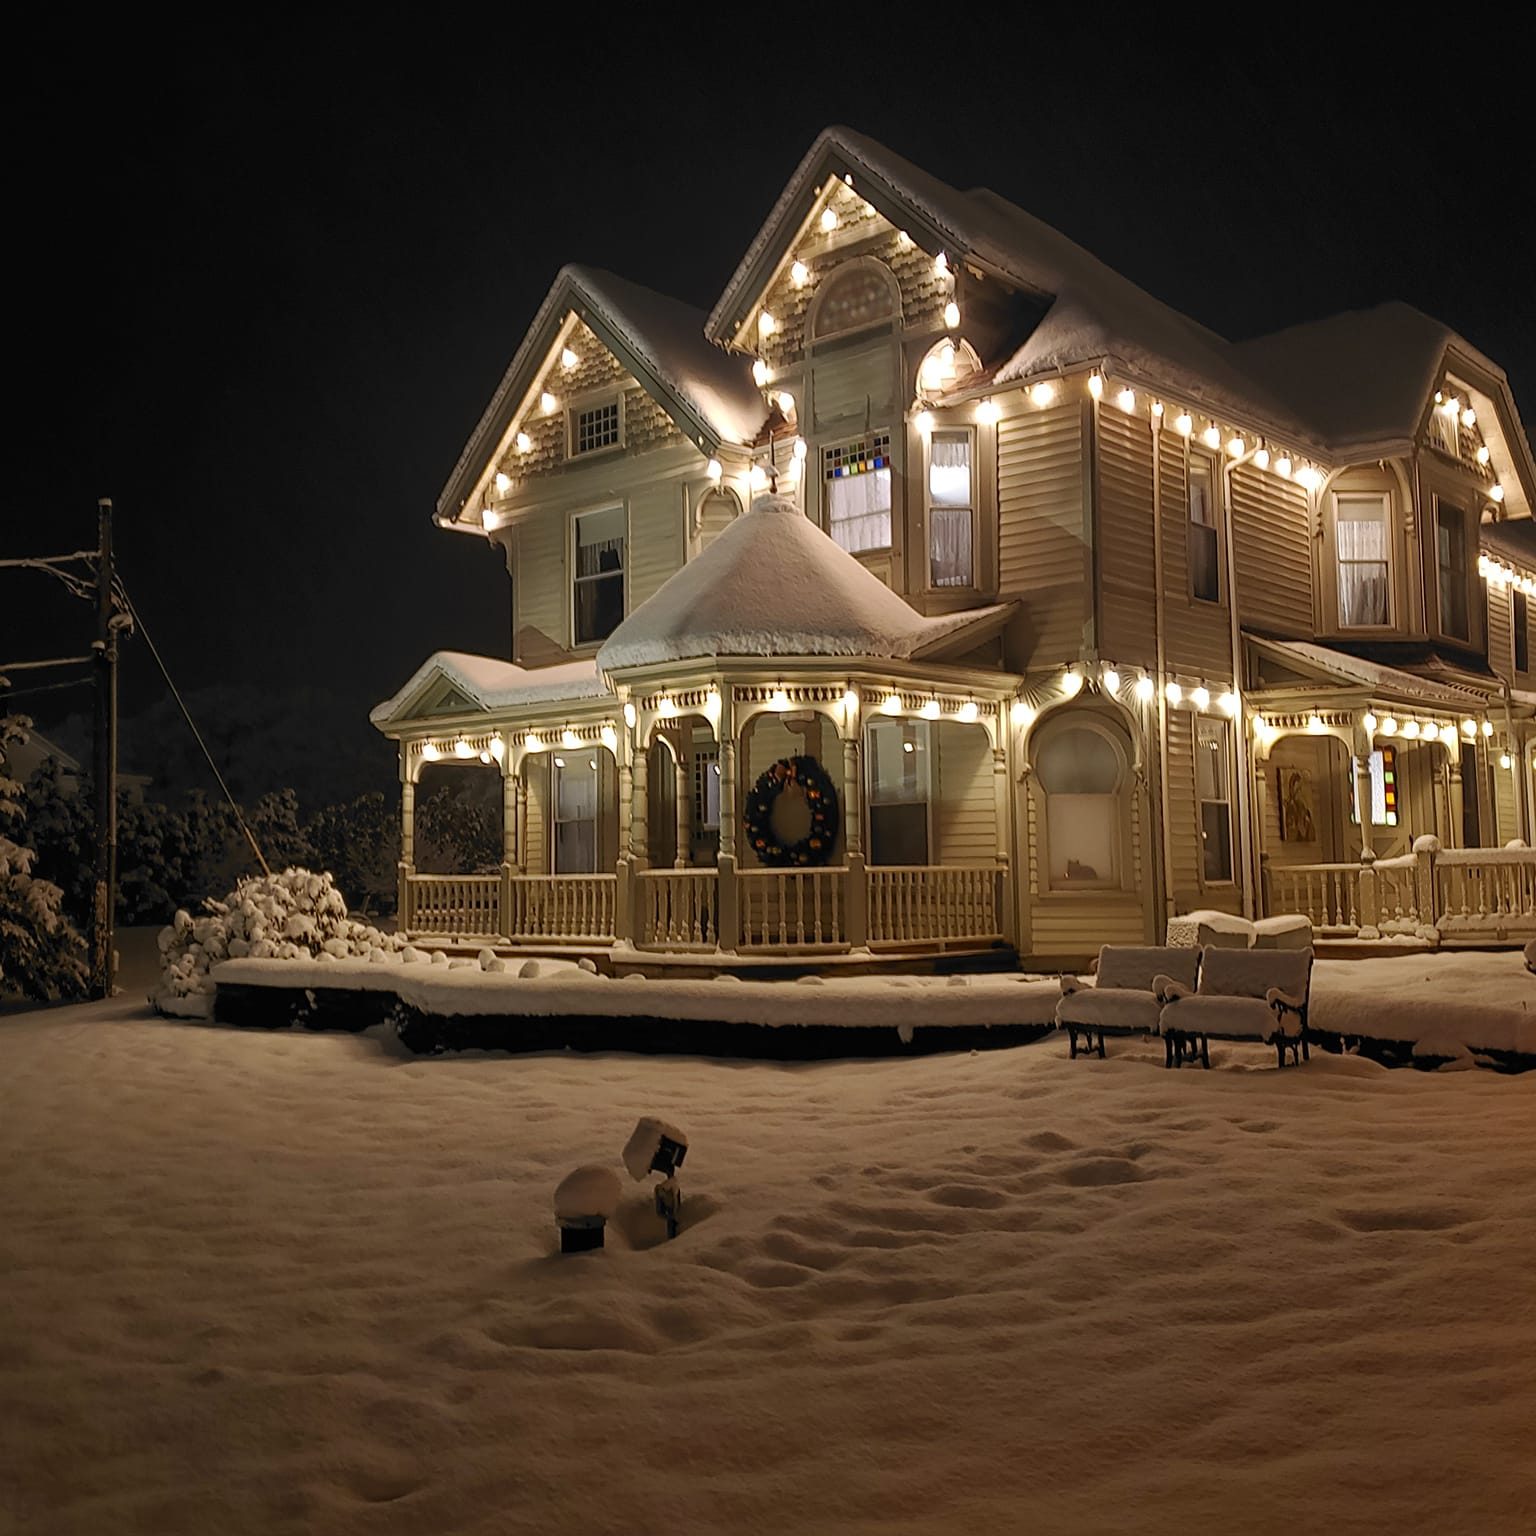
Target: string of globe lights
[[462, 749]]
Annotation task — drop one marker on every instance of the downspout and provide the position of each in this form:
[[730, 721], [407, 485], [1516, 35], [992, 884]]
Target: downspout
[[1244, 750], [1162, 695]]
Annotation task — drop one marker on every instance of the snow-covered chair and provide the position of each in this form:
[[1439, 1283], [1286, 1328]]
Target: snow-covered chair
[[1254, 994], [1530, 956], [1127, 995]]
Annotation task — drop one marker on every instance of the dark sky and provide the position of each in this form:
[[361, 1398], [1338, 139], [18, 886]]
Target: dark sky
[[271, 279]]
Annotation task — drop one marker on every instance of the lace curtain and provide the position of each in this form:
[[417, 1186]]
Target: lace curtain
[[1363, 570], [859, 511]]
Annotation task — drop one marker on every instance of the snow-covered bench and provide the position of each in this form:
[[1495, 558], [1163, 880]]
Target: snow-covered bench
[[1128, 993], [1225, 930], [1244, 994]]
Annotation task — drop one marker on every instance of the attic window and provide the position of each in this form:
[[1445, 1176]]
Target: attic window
[[854, 298], [1444, 432], [596, 426]]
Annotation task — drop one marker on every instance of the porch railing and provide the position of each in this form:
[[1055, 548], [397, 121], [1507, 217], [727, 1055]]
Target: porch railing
[[453, 905], [933, 904], [792, 909], [677, 909], [564, 908], [1455, 895]]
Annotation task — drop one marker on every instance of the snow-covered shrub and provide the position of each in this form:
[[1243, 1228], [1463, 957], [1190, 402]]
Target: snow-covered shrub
[[287, 916]]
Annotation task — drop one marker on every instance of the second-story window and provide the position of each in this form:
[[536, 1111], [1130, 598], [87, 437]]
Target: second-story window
[[1521, 617], [951, 508], [1451, 571], [1204, 532], [1363, 541], [596, 426], [857, 480], [597, 597]]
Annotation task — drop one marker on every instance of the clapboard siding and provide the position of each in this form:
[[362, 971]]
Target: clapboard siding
[[1042, 548], [1198, 636], [855, 387], [1506, 807], [1272, 538], [964, 817], [654, 549], [541, 599], [536, 828], [1127, 607], [1183, 817]]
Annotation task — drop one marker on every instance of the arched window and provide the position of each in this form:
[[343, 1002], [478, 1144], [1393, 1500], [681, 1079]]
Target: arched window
[[1080, 767], [854, 298]]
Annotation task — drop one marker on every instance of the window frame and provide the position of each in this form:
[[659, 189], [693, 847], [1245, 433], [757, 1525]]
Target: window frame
[[969, 434], [557, 766], [923, 732], [573, 549], [1383, 496], [1520, 629], [1202, 725], [1444, 507], [890, 322], [872, 438], [1122, 852], [1212, 469], [1443, 432], [579, 407]]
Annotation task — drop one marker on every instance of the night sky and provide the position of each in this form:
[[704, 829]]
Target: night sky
[[271, 281]]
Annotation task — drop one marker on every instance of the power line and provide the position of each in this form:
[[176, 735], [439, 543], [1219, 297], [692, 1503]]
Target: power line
[[54, 661], [122, 592]]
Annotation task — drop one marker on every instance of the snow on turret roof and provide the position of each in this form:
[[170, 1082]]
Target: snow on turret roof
[[491, 683], [773, 584]]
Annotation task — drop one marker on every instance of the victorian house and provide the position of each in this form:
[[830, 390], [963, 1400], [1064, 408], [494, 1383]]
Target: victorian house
[[942, 590]]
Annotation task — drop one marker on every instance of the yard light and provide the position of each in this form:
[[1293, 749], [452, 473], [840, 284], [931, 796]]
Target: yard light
[[584, 1200], [656, 1147]]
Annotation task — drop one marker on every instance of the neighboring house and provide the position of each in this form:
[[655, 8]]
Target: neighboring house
[[25, 758], [1089, 616]]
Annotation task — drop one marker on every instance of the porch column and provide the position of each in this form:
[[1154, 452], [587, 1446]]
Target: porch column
[[684, 806], [1364, 745], [1001, 814], [727, 908], [1455, 836], [1260, 853], [639, 851], [624, 882], [857, 895], [407, 865], [511, 846]]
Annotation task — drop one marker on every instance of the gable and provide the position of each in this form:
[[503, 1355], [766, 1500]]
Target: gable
[[437, 698]]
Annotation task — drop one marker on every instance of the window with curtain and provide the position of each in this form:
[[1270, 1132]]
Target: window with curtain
[[1213, 786], [575, 814], [1520, 614], [1451, 571], [857, 481], [1204, 532], [1080, 770], [1362, 528], [598, 584], [898, 768], [951, 507]]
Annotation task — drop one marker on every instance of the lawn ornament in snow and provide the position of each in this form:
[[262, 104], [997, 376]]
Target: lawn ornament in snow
[[771, 805], [656, 1147], [584, 1200]]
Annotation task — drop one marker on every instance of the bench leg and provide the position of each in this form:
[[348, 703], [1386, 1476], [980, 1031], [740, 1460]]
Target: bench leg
[[1306, 1054], [1072, 1036], [1101, 1045], [1167, 1050], [1205, 1052], [1280, 1051]]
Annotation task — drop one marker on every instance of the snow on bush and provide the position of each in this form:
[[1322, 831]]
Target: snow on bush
[[287, 916]]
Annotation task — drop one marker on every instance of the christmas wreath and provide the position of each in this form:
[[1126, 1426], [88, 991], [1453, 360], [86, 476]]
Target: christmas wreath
[[803, 775]]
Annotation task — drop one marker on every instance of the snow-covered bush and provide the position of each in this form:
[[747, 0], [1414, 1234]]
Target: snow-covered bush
[[293, 915], [41, 953]]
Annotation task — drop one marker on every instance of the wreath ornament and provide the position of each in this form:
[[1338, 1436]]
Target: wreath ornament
[[803, 775]]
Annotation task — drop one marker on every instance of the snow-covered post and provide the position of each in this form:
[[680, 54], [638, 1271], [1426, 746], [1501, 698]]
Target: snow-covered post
[[639, 806], [407, 866], [1455, 802], [1364, 744], [1424, 850], [727, 909], [684, 806], [511, 843], [1001, 816], [1369, 913], [857, 897]]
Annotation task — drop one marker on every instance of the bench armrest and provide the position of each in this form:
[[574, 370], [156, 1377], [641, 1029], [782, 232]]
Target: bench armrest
[[1278, 1000], [1069, 985], [1166, 990]]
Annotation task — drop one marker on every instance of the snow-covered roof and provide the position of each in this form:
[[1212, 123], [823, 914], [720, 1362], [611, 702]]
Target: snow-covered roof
[[1447, 691], [490, 683], [659, 338], [773, 584]]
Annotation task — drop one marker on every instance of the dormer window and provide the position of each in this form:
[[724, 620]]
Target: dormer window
[[596, 425], [1363, 540]]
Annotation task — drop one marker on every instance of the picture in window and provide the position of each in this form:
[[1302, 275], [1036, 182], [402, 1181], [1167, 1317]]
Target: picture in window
[[598, 595], [1079, 770], [1362, 532], [575, 814], [1204, 539], [1213, 785], [857, 479], [951, 511], [898, 769]]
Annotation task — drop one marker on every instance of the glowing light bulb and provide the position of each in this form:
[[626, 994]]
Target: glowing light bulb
[[569, 738], [951, 314], [1111, 680], [1174, 693], [1469, 417], [1228, 703], [1389, 726], [1126, 400], [778, 701], [1261, 457], [968, 713], [429, 751], [485, 757], [1487, 727], [1429, 731], [941, 265], [462, 748], [758, 478], [533, 742], [1095, 385], [1145, 688], [1450, 405], [568, 359], [828, 221], [1020, 713], [503, 483], [1315, 725], [1505, 760], [1411, 730], [923, 421], [548, 404], [1157, 409], [1482, 453], [498, 749], [890, 704], [930, 709], [1369, 722], [1211, 437], [609, 738], [1469, 727], [1071, 684], [1236, 446], [630, 715], [799, 274], [1308, 477], [903, 240], [786, 403], [1183, 423], [1042, 393], [850, 703], [766, 324], [524, 442], [988, 412], [714, 469], [1496, 492], [1283, 466], [761, 372], [801, 448], [1201, 697]]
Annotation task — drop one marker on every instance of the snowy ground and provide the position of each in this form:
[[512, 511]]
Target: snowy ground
[[298, 1283]]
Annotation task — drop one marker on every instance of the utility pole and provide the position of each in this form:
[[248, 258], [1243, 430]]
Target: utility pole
[[104, 654]]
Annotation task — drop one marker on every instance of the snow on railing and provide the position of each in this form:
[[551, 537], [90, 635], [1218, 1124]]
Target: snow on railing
[[677, 908], [453, 905], [933, 904], [563, 907], [793, 908], [1485, 892]]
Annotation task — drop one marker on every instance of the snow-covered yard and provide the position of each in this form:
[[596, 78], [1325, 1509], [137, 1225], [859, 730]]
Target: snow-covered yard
[[300, 1283]]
